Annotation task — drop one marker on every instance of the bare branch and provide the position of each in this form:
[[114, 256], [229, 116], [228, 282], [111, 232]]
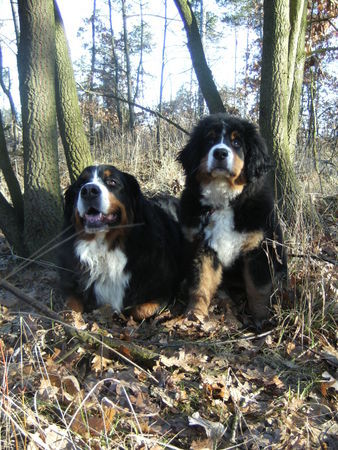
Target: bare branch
[[143, 108]]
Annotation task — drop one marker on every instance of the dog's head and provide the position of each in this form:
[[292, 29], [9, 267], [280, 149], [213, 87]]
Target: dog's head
[[225, 148], [102, 199]]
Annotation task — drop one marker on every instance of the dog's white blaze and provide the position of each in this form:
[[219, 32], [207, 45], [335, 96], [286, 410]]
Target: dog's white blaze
[[105, 270], [220, 145], [104, 198]]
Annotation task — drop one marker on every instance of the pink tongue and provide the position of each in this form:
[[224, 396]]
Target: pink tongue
[[110, 217], [93, 218]]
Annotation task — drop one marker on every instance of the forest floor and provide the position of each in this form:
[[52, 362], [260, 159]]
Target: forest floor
[[104, 381]]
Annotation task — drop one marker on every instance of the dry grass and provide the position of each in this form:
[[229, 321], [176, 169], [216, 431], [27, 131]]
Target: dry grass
[[250, 391]]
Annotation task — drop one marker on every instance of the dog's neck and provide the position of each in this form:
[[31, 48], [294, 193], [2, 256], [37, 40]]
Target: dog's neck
[[217, 194]]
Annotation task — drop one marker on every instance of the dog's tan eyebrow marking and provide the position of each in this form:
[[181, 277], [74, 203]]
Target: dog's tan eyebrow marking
[[234, 135], [107, 173]]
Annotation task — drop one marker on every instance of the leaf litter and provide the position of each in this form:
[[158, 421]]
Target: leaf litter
[[211, 385]]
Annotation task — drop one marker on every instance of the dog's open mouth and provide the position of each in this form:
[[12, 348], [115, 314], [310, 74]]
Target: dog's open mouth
[[95, 220]]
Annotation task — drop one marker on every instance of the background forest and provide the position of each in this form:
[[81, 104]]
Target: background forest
[[143, 73]]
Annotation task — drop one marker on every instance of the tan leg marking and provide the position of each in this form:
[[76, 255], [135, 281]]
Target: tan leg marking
[[146, 310], [200, 298], [75, 303]]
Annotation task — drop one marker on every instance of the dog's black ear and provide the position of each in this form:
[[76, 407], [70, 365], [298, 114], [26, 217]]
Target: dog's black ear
[[136, 196], [70, 196], [257, 158], [188, 156]]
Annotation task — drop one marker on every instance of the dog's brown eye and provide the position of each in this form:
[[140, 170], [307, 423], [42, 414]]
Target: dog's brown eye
[[111, 182], [236, 143]]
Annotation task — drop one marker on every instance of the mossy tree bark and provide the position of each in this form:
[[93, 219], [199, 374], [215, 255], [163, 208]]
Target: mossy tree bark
[[36, 64], [74, 139], [199, 62], [281, 81]]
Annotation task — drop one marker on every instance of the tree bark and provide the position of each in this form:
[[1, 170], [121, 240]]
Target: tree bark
[[36, 64], [203, 73], [297, 55], [91, 81], [274, 98], [74, 140]]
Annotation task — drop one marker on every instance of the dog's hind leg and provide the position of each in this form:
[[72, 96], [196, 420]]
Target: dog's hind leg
[[258, 286]]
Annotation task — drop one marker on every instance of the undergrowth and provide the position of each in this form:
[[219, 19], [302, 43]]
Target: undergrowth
[[212, 385]]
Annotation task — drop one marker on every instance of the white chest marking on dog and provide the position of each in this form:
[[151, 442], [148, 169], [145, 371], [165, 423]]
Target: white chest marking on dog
[[220, 232], [105, 270], [222, 237]]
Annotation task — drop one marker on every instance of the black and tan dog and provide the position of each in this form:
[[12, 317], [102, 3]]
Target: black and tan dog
[[228, 217], [123, 250]]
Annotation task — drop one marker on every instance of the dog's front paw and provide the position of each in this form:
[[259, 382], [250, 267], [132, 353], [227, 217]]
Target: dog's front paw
[[197, 310]]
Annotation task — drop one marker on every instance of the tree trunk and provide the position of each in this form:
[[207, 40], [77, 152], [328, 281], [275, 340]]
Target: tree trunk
[[158, 127], [201, 31], [274, 98], [203, 73], [74, 140], [298, 12], [9, 175], [11, 216], [128, 67], [36, 64], [115, 64], [7, 92], [140, 64], [91, 82]]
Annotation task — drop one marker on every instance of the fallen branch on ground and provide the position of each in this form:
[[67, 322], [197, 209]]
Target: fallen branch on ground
[[128, 351]]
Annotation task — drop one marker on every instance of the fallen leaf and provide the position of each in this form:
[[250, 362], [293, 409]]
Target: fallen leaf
[[328, 382], [214, 430]]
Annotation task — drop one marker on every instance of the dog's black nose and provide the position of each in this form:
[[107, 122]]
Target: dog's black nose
[[220, 153], [90, 191]]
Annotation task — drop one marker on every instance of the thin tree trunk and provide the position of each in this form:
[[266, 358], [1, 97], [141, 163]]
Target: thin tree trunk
[[15, 22], [9, 175], [235, 68], [202, 70], [246, 71], [158, 129], [11, 217], [201, 30], [7, 92], [36, 64], [140, 64], [91, 81], [115, 64], [74, 140], [128, 67]]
